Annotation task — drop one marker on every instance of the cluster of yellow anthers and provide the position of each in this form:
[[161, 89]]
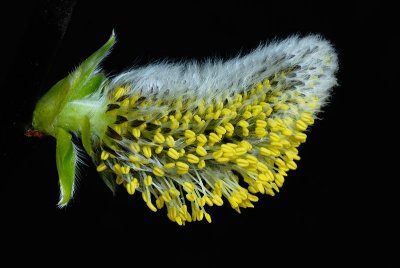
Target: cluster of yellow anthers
[[189, 150]]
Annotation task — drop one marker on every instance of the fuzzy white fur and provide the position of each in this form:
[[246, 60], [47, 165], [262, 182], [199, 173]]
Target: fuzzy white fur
[[216, 78]]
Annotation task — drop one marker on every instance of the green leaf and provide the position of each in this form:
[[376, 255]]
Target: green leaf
[[66, 157]]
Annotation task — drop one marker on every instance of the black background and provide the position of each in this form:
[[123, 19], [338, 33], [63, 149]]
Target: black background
[[328, 210]]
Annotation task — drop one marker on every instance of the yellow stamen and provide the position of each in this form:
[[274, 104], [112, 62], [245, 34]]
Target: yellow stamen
[[201, 164], [158, 150], [148, 181], [202, 139], [192, 159], [201, 151], [158, 172], [136, 132], [170, 141], [173, 153], [104, 155], [169, 165], [159, 138], [146, 151], [151, 206]]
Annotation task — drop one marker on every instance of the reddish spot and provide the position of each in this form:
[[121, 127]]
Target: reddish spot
[[34, 133]]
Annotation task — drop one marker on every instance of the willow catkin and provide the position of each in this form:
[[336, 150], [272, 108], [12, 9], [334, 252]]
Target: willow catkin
[[192, 135]]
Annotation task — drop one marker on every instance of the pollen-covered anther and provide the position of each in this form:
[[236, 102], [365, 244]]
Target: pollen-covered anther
[[182, 168], [201, 164], [220, 130], [160, 202], [301, 125], [148, 181], [229, 129], [217, 200], [190, 136], [260, 132], [242, 162], [173, 153], [158, 150], [301, 137], [119, 180], [159, 138], [135, 147], [136, 132], [192, 158], [169, 140], [202, 139], [101, 167], [292, 165], [191, 197], [227, 149], [201, 151], [158, 172], [169, 165], [146, 151], [188, 187], [104, 155], [213, 138], [151, 206], [119, 92], [240, 151], [265, 152], [132, 186]]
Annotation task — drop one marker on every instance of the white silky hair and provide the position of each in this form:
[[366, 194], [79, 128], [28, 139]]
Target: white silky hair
[[214, 79]]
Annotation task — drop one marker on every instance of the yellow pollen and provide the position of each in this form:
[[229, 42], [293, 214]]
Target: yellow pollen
[[188, 187], [202, 139], [182, 166], [158, 150], [189, 134], [158, 172], [151, 206], [101, 167], [243, 124], [300, 125], [146, 151], [173, 153], [169, 165], [133, 158], [242, 162], [201, 151], [119, 180], [220, 130], [170, 141], [159, 138], [119, 92], [192, 159], [148, 181], [136, 132], [201, 164], [229, 127], [135, 147], [104, 155]]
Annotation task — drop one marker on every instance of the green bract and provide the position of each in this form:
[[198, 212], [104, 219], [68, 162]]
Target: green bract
[[58, 113]]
